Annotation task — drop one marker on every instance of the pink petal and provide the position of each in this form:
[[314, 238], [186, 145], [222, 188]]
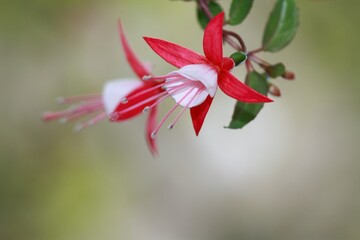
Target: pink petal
[[173, 53], [231, 86], [139, 69], [198, 114], [213, 40], [150, 127]]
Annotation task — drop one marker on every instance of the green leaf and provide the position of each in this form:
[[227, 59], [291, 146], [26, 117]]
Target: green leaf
[[215, 9], [239, 9], [281, 26], [246, 112]]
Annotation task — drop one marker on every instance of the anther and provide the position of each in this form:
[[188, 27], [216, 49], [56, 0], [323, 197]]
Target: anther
[[146, 77], [113, 116], [78, 128], [60, 100], [63, 120], [171, 126], [153, 134], [146, 109]]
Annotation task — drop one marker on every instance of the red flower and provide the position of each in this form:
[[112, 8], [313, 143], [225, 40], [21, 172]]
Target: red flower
[[121, 99], [194, 85], [136, 101]]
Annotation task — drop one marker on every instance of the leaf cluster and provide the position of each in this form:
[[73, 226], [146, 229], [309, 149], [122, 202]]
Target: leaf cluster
[[279, 31]]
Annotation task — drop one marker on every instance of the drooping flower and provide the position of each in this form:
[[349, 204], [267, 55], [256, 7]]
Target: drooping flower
[[128, 97], [195, 83]]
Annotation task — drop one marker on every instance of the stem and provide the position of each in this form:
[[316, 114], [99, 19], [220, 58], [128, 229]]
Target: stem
[[204, 6], [232, 43], [256, 50], [237, 37], [258, 60], [249, 66]]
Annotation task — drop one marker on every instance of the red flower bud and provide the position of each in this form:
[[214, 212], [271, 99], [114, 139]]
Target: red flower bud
[[274, 90], [289, 75]]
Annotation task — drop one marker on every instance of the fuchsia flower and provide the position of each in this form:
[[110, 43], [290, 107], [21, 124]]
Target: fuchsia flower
[[128, 97], [195, 83], [192, 86]]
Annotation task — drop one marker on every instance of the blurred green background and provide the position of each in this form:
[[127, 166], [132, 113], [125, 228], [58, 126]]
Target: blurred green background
[[293, 173]]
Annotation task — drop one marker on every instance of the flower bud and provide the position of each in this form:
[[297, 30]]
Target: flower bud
[[238, 57], [276, 70], [289, 75], [274, 90]]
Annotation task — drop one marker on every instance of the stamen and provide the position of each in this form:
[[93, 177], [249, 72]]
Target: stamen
[[146, 109], [49, 116], [153, 134], [161, 78], [162, 86], [158, 78], [172, 90], [146, 77], [165, 118], [75, 111], [181, 88], [114, 116], [82, 110], [159, 100], [172, 125], [173, 109], [145, 91], [77, 114], [63, 120], [68, 100], [167, 86], [124, 100], [158, 97], [142, 103], [78, 128], [90, 122]]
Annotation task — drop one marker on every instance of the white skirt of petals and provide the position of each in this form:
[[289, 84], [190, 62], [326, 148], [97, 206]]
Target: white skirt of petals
[[115, 91], [190, 85]]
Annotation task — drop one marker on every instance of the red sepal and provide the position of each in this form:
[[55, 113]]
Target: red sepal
[[228, 63], [135, 100], [234, 88], [213, 40], [175, 54], [138, 68], [198, 114]]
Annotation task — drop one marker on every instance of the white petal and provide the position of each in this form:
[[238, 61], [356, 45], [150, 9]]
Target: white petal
[[189, 96], [200, 72], [114, 91], [190, 85]]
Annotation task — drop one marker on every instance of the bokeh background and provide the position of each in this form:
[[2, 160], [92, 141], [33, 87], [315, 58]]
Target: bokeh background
[[293, 173]]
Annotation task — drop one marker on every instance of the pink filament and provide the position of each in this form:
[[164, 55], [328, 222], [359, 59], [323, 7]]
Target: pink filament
[[158, 97], [72, 99], [179, 88], [187, 106], [78, 111], [89, 104], [90, 122]]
